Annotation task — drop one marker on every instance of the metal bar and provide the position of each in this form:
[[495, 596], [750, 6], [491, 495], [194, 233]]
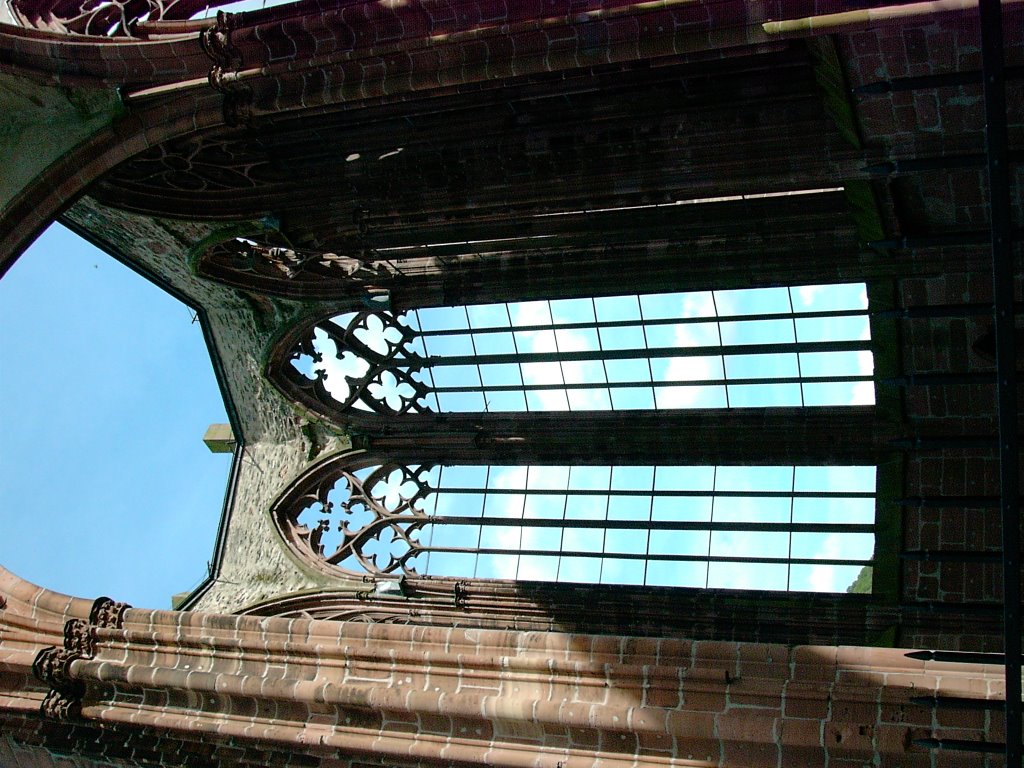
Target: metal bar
[[969, 502], [599, 324], [962, 745], [940, 379], [940, 310], [638, 384], [974, 237], [951, 556], [941, 443], [645, 354], [940, 163], [1003, 278], [665, 494], [957, 657], [944, 80], [644, 525], [639, 556], [956, 702], [918, 164], [953, 609]]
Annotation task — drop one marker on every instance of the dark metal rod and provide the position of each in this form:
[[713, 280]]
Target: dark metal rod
[[894, 167], [940, 310], [1003, 276], [969, 502], [665, 494], [952, 609], [930, 379], [962, 745], [975, 237], [646, 354], [944, 80], [940, 163], [952, 556], [645, 322], [649, 525], [957, 657], [640, 556], [940, 443], [638, 384], [956, 702]]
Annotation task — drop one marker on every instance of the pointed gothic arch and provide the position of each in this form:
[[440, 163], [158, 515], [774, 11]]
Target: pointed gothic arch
[[359, 516]]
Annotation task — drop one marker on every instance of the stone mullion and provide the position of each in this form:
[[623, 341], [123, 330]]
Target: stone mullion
[[787, 216], [660, 172], [772, 436], [572, 271]]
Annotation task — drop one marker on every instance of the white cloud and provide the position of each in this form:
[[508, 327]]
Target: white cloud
[[863, 393], [807, 294], [698, 305], [823, 577], [865, 363], [532, 342], [690, 368]]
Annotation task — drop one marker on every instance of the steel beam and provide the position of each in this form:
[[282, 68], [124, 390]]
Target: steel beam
[[1003, 277], [943, 80]]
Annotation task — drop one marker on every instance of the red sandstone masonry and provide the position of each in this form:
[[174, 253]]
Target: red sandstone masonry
[[561, 35], [398, 691]]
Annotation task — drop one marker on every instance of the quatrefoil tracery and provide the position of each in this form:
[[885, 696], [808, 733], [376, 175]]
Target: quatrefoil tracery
[[372, 368], [374, 521]]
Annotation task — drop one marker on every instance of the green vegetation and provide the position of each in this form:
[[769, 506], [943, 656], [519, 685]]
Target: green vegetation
[[862, 584]]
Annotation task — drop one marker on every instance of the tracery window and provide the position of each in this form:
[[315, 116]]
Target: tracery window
[[805, 528], [801, 528], [797, 346]]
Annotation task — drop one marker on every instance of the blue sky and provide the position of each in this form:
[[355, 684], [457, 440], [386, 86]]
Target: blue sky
[[106, 389]]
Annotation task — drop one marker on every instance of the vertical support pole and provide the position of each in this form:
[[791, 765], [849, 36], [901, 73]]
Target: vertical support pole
[[1006, 366]]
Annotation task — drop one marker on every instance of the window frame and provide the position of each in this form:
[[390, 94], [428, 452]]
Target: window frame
[[487, 445]]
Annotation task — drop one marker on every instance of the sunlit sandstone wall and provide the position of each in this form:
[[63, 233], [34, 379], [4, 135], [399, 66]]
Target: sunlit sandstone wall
[[185, 688]]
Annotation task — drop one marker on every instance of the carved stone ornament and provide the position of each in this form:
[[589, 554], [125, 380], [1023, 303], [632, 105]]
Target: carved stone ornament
[[78, 637], [286, 271], [217, 44], [377, 617], [58, 706], [107, 614], [224, 75], [53, 665]]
